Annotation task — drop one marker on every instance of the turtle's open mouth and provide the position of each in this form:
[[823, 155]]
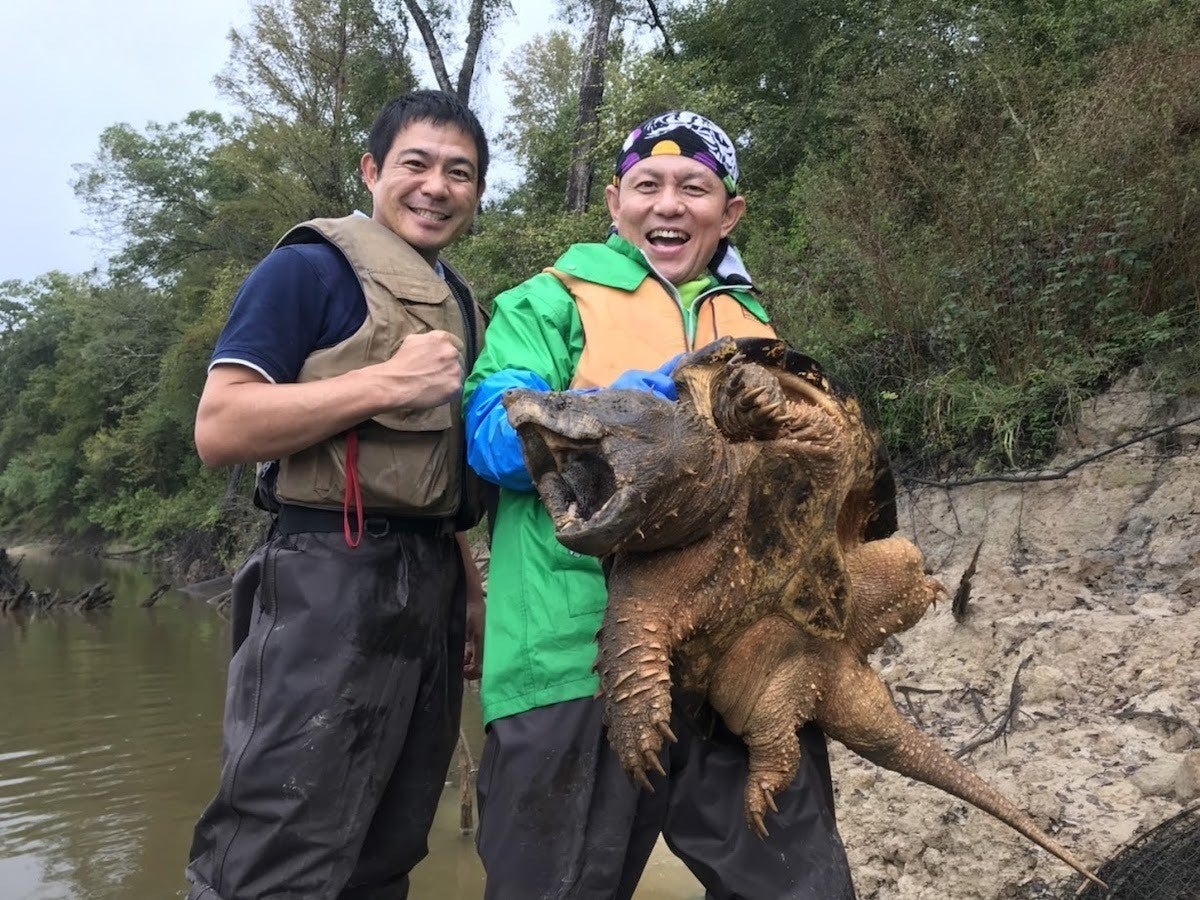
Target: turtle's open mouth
[[573, 477], [623, 470], [587, 499]]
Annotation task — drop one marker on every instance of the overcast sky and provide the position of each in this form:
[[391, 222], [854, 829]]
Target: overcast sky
[[71, 68]]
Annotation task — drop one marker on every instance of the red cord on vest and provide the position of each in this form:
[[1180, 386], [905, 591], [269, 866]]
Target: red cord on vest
[[353, 495]]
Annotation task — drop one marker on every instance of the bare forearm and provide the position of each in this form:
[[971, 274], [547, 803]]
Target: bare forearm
[[253, 420], [244, 418]]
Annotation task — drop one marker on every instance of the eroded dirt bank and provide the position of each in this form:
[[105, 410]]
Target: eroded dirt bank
[[1089, 586]]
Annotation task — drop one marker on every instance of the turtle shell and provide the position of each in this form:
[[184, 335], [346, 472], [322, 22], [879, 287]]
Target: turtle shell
[[702, 373], [818, 457]]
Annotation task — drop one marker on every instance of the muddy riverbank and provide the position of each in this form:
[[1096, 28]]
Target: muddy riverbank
[[1086, 592]]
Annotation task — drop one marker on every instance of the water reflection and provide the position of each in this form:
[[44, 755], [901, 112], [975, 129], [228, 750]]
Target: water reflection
[[109, 740]]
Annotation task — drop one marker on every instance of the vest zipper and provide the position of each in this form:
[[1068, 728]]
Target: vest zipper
[[688, 339]]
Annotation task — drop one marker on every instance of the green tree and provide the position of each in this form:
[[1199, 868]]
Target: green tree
[[82, 361], [311, 76], [541, 88], [155, 194]]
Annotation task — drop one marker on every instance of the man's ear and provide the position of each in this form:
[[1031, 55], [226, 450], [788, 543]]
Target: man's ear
[[735, 208], [612, 198], [370, 171]]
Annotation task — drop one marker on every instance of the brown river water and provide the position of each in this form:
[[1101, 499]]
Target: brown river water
[[110, 735]]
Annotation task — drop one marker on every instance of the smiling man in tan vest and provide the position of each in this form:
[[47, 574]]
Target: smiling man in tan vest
[[343, 359], [559, 818]]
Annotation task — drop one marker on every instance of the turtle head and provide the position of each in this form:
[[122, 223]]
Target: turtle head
[[622, 470]]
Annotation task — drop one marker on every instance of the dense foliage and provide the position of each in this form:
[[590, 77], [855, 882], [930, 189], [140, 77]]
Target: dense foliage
[[975, 215]]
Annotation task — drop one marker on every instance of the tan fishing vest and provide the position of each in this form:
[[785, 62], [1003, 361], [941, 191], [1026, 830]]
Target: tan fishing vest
[[644, 328], [410, 462]]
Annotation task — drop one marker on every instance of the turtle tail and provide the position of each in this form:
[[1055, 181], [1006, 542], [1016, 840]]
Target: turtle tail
[[860, 714]]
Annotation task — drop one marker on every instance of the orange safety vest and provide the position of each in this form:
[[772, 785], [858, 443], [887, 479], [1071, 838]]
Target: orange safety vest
[[642, 329]]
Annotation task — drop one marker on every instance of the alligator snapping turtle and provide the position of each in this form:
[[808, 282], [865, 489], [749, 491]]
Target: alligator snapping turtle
[[747, 539]]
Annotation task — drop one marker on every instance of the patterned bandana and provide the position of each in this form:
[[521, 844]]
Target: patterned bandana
[[679, 133]]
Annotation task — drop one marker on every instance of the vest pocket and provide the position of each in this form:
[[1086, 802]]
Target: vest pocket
[[309, 475], [410, 473], [416, 287], [417, 473]]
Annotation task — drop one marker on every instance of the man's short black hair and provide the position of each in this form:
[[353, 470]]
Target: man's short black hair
[[436, 107]]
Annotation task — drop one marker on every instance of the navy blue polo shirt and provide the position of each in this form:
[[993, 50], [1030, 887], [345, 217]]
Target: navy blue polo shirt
[[300, 298]]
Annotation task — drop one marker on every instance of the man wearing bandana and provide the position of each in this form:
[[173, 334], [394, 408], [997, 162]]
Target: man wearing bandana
[[559, 817]]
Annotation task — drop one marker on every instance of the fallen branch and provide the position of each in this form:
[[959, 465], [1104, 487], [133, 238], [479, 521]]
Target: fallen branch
[[98, 596], [1003, 722], [17, 596], [221, 602], [121, 554], [1048, 476], [972, 694], [155, 595], [906, 691], [963, 595], [913, 689]]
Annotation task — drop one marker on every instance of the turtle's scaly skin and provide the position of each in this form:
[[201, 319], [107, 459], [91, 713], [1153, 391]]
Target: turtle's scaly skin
[[746, 532]]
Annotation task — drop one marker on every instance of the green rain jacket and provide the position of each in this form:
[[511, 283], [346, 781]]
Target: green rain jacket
[[545, 602]]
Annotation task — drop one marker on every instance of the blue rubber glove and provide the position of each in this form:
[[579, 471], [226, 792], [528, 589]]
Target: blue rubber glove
[[658, 381], [493, 448], [669, 366]]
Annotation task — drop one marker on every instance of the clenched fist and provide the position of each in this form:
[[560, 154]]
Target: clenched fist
[[427, 369]]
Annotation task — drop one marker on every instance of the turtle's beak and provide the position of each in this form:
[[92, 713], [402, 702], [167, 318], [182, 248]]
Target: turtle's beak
[[621, 470], [564, 446]]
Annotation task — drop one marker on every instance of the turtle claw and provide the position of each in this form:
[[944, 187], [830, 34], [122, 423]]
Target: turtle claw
[[636, 733], [770, 800], [639, 775], [665, 730], [653, 762], [760, 797], [759, 827]]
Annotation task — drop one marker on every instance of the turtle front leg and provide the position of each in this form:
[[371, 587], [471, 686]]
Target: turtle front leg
[[635, 680], [656, 601]]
